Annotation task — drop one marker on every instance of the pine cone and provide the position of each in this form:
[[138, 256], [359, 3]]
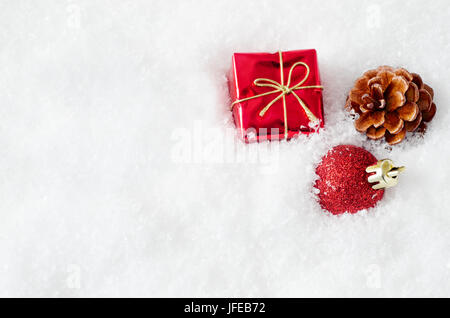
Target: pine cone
[[391, 102]]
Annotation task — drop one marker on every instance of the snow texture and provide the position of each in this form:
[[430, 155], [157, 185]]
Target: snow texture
[[119, 175]]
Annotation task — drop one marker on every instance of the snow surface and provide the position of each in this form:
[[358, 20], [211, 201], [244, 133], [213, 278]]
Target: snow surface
[[118, 175]]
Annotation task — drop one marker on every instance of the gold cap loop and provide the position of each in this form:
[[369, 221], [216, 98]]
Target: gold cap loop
[[385, 174]]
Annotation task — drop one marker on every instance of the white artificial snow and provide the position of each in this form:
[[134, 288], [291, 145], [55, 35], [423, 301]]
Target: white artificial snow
[[120, 174]]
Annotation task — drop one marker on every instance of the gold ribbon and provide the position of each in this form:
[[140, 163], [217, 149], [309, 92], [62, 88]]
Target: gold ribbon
[[283, 90]]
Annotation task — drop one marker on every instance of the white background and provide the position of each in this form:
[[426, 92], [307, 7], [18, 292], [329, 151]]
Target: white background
[[113, 180]]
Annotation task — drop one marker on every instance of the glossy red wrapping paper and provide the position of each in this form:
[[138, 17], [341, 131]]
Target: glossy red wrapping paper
[[250, 66]]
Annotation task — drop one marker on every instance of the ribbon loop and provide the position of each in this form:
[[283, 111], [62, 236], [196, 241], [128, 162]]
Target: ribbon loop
[[283, 90]]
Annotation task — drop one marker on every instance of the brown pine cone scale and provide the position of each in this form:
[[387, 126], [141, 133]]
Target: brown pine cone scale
[[391, 102]]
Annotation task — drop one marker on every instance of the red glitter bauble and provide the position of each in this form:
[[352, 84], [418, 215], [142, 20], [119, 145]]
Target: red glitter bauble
[[342, 180]]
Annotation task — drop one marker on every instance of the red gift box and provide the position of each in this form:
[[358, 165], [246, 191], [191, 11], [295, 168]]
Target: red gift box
[[276, 96]]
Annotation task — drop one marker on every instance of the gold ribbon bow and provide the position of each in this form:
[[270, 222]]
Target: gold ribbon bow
[[283, 90]]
